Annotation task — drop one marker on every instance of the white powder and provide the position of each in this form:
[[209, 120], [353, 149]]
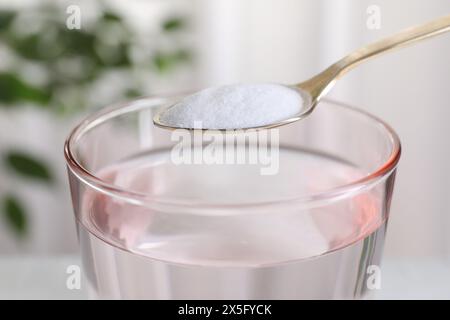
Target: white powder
[[234, 107]]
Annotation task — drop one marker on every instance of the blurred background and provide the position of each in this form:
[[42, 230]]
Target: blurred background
[[53, 73]]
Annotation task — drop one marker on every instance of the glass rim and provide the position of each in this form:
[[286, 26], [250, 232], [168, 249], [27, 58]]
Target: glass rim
[[332, 194]]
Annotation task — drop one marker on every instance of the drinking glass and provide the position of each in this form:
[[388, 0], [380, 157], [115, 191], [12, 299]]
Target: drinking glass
[[153, 228]]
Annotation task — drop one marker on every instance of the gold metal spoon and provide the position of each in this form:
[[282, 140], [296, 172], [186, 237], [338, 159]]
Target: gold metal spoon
[[314, 89]]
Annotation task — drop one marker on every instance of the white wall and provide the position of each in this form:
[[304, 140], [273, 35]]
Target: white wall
[[288, 40]]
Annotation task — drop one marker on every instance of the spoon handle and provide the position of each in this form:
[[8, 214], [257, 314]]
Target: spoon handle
[[322, 83]]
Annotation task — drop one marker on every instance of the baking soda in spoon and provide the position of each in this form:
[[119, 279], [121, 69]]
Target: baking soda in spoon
[[234, 107]]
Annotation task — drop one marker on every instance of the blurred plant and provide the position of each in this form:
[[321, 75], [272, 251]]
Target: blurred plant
[[71, 63]]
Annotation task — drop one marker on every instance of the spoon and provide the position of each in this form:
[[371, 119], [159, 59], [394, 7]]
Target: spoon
[[317, 87]]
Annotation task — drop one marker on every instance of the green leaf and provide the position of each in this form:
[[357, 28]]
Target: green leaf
[[13, 89], [117, 56], [182, 55], [15, 216], [162, 62], [77, 43], [165, 62], [31, 47], [133, 93], [111, 16], [173, 24], [27, 166], [6, 17]]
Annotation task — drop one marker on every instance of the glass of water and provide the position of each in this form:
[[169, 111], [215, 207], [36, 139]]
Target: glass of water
[[160, 217]]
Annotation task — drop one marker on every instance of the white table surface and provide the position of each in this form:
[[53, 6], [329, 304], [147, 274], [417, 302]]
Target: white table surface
[[45, 278]]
